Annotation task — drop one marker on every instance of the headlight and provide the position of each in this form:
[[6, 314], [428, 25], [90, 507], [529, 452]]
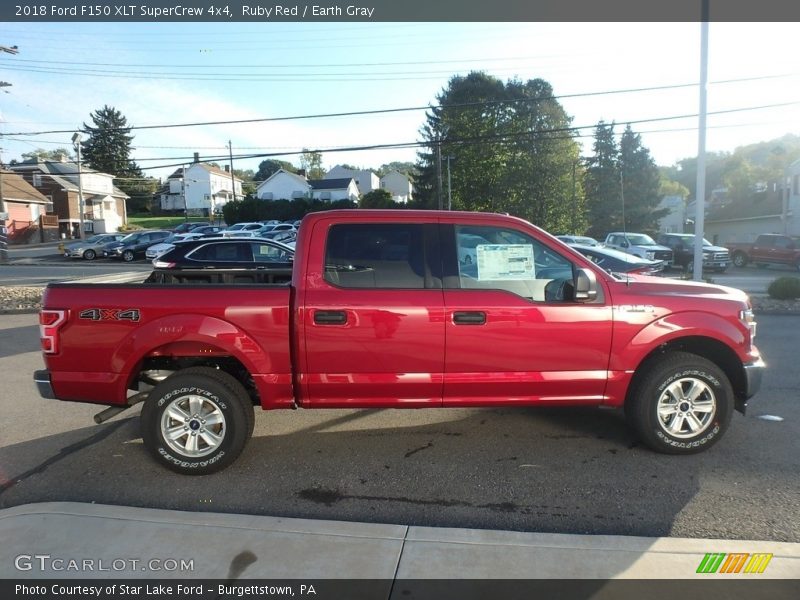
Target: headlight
[[749, 319], [650, 255]]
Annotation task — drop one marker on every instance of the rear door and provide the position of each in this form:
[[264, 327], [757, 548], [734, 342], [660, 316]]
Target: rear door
[[513, 333], [371, 328]]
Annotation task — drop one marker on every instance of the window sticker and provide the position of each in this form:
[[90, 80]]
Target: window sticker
[[505, 261]]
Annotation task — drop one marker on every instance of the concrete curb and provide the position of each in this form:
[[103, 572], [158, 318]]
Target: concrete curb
[[286, 548]]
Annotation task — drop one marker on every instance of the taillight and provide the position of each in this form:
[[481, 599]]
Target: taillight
[[163, 264], [49, 322]]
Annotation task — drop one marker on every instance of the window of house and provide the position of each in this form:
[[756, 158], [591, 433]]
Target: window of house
[[387, 256], [37, 180], [506, 259], [797, 184]]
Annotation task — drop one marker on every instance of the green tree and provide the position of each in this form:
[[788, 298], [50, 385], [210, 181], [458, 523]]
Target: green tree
[[107, 147], [379, 198], [602, 183], [641, 181], [311, 163], [48, 155], [267, 168], [510, 148]]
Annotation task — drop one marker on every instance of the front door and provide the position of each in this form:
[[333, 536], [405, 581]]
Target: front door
[[514, 335]]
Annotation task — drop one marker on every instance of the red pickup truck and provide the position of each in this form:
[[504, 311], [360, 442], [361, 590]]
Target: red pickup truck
[[769, 248], [385, 310]]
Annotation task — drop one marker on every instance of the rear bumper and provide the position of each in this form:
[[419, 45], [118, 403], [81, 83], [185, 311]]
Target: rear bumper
[[43, 384]]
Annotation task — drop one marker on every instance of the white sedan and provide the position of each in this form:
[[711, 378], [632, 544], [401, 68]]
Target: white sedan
[[168, 244]]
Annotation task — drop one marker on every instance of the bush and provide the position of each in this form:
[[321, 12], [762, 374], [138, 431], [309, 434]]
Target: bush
[[784, 288]]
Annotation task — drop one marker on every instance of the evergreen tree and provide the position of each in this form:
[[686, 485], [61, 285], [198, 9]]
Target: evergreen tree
[[602, 183], [640, 185], [108, 146]]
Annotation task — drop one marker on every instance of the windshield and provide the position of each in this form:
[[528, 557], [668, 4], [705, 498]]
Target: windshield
[[640, 239]]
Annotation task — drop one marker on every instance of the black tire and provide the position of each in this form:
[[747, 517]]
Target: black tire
[[128, 256], [220, 397], [711, 410], [739, 259], [90, 255]]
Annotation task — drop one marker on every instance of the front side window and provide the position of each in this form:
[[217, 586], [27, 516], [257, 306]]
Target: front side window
[[506, 259], [376, 255]]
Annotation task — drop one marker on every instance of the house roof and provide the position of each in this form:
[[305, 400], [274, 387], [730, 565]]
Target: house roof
[[330, 184], [16, 189], [215, 170], [758, 205], [299, 178]]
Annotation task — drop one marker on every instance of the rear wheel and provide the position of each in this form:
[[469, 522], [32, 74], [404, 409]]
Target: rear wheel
[[90, 255], [681, 405], [197, 421]]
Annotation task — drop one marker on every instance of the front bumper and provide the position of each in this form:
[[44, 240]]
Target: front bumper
[[753, 373], [43, 384]]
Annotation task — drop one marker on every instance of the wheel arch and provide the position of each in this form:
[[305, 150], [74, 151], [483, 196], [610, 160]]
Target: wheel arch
[[709, 348]]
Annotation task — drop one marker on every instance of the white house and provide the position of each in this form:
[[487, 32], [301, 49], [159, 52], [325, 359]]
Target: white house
[[398, 185], [674, 220], [334, 189], [366, 180], [283, 185]]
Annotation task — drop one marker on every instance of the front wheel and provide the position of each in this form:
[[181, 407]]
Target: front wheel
[[128, 256], [90, 255], [739, 259], [682, 404], [197, 421]]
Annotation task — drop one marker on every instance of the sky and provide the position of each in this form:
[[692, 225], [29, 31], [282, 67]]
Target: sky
[[167, 73]]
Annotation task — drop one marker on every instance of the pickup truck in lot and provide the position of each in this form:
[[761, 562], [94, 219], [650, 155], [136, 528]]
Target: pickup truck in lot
[[380, 312], [768, 249]]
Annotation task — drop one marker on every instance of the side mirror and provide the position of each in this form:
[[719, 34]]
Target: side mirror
[[585, 285]]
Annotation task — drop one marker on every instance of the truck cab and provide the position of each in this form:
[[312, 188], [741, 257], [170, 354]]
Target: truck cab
[[639, 244]]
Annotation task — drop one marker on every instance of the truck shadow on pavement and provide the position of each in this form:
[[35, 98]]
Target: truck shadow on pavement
[[546, 470], [19, 340]]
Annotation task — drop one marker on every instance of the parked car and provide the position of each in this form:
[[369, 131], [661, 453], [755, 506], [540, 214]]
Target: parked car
[[584, 240], [241, 229], [715, 258], [169, 242], [221, 260], [190, 226], [639, 244], [615, 261], [769, 248], [134, 245], [91, 247], [208, 229]]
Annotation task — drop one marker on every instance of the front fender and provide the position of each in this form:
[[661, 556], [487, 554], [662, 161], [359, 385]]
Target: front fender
[[631, 350]]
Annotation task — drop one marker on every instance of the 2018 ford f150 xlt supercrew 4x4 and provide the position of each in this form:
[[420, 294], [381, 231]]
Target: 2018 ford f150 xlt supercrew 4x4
[[380, 312]]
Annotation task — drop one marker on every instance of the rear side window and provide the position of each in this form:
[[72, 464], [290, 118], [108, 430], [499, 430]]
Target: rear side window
[[387, 256], [267, 253], [238, 252]]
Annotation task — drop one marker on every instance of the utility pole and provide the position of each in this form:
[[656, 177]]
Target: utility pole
[[184, 183], [449, 184], [700, 194], [230, 162], [439, 172], [76, 142], [3, 218]]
